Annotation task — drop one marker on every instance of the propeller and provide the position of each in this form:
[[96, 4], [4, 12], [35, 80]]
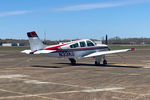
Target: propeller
[[106, 40]]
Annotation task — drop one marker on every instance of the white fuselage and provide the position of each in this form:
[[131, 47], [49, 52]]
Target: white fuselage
[[68, 51]]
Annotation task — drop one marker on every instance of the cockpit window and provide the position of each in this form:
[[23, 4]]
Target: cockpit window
[[82, 44], [74, 45], [94, 42], [89, 43]]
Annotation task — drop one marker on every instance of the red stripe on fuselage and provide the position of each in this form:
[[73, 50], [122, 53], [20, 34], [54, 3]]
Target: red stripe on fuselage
[[56, 47], [88, 48]]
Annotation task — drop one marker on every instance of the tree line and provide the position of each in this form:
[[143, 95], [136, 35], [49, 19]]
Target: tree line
[[114, 40]]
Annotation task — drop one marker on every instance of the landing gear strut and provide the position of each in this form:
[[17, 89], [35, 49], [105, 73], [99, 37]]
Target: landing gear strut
[[97, 63], [98, 60], [104, 61], [73, 61]]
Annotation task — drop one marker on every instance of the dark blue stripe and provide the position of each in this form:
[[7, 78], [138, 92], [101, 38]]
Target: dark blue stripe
[[29, 34]]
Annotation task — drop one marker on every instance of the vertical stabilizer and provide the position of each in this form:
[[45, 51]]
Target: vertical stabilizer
[[35, 42]]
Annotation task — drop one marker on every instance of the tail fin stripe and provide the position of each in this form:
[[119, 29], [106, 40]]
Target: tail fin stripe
[[32, 34], [35, 42]]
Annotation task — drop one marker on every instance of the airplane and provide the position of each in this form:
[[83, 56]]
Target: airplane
[[73, 50]]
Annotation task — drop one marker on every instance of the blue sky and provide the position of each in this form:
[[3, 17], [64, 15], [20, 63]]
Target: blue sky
[[71, 19]]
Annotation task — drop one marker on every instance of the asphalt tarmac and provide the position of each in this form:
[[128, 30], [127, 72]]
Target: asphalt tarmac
[[38, 77]]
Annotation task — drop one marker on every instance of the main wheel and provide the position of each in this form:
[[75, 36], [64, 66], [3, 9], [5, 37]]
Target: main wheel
[[73, 61], [105, 62]]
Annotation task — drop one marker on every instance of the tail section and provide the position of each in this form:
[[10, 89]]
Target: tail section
[[35, 42]]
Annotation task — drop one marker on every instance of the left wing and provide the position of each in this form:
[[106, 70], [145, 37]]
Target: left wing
[[108, 52]]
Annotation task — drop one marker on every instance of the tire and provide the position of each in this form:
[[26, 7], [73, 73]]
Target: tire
[[105, 62], [73, 61], [96, 63]]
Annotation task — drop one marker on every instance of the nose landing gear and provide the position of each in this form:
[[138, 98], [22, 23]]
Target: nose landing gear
[[104, 62], [97, 63]]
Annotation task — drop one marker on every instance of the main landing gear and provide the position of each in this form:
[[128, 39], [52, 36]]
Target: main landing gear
[[98, 60], [104, 62], [73, 61]]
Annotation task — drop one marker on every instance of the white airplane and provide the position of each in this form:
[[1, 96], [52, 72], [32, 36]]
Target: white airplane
[[72, 50]]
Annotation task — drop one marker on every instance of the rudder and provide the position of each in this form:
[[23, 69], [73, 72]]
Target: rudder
[[35, 42]]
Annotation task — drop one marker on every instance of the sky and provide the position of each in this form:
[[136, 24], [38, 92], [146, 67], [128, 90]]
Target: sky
[[74, 19]]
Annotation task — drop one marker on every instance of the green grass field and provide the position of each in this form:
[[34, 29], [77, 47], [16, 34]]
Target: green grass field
[[112, 47], [13, 48]]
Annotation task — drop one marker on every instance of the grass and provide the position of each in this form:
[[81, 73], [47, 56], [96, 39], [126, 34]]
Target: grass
[[112, 47], [13, 48]]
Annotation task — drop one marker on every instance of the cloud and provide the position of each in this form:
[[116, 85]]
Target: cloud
[[100, 5], [4, 14]]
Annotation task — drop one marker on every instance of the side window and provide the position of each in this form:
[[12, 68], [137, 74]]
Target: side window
[[71, 46], [89, 43], [74, 45], [82, 44]]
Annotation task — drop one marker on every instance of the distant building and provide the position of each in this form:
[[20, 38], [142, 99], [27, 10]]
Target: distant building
[[6, 44], [98, 42], [12, 44], [20, 44], [132, 43]]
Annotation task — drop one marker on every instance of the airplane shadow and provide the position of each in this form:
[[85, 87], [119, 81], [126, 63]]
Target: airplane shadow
[[122, 66], [109, 65], [43, 66]]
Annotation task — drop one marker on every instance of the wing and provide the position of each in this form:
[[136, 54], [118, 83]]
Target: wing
[[107, 52], [38, 51]]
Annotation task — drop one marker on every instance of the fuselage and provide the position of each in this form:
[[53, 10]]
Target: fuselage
[[76, 49]]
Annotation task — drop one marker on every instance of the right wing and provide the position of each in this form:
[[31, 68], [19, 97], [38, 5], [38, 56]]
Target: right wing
[[95, 54]]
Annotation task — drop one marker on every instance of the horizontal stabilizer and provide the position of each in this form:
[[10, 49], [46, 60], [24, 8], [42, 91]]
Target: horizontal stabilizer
[[26, 51], [38, 51], [44, 51]]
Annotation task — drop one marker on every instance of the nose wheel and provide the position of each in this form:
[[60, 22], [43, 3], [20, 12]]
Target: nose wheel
[[104, 62], [97, 63]]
